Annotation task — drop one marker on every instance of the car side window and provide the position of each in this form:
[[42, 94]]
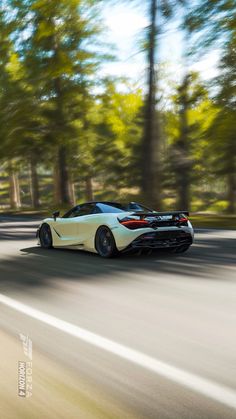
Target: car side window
[[75, 212], [80, 210], [72, 211], [97, 210]]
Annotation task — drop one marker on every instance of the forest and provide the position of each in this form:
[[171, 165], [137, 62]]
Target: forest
[[69, 133]]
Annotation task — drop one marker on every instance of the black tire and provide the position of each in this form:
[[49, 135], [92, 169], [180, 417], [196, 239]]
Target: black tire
[[105, 243], [45, 237]]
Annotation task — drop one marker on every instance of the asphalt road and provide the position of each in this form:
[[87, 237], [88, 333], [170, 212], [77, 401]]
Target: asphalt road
[[169, 323]]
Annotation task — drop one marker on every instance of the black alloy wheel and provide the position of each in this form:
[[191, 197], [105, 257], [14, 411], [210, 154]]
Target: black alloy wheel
[[105, 242], [45, 236]]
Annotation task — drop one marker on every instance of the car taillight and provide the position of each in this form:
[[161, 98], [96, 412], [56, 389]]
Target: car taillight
[[183, 220], [132, 224]]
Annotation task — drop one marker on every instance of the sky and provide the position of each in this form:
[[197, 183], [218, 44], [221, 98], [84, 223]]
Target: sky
[[125, 26]]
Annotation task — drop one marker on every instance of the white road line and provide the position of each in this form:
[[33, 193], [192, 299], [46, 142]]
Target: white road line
[[194, 382]]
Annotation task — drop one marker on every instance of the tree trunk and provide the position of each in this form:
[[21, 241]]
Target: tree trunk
[[15, 201], [72, 192], [64, 186], [34, 183], [231, 193], [63, 172], [150, 155], [56, 183], [183, 165], [183, 193], [63, 189], [89, 189]]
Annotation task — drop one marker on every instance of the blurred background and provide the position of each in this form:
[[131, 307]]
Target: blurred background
[[122, 100]]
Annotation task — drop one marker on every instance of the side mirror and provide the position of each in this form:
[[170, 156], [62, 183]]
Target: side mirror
[[56, 214]]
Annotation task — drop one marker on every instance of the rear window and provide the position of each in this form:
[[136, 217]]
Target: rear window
[[105, 208]]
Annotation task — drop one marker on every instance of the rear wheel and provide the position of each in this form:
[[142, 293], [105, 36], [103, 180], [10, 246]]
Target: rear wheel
[[105, 242], [45, 236]]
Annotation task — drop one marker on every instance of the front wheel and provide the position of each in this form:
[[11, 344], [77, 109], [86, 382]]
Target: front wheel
[[45, 236], [105, 243]]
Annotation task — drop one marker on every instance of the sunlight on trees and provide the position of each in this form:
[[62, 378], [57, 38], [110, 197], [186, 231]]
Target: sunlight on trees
[[68, 134]]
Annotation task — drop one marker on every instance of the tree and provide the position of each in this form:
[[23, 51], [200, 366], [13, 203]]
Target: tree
[[118, 134], [150, 150], [185, 127], [183, 163], [214, 22], [8, 85], [223, 128], [55, 49]]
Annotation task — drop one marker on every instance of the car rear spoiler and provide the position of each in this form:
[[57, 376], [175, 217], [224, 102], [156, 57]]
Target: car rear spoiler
[[159, 214]]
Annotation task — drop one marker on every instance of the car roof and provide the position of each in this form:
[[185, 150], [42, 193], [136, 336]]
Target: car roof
[[102, 202], [114, 203]]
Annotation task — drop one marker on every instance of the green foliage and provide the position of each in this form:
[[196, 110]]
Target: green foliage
[[118, 130], [57, 116], [212, 21], [215, 22]]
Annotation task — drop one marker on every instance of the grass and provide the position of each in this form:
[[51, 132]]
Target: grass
[[221, 221]]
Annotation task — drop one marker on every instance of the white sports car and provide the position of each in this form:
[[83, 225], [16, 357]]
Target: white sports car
[[107, 228]]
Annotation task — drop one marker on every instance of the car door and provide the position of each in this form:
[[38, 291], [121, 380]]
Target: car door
[[68, 227]]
